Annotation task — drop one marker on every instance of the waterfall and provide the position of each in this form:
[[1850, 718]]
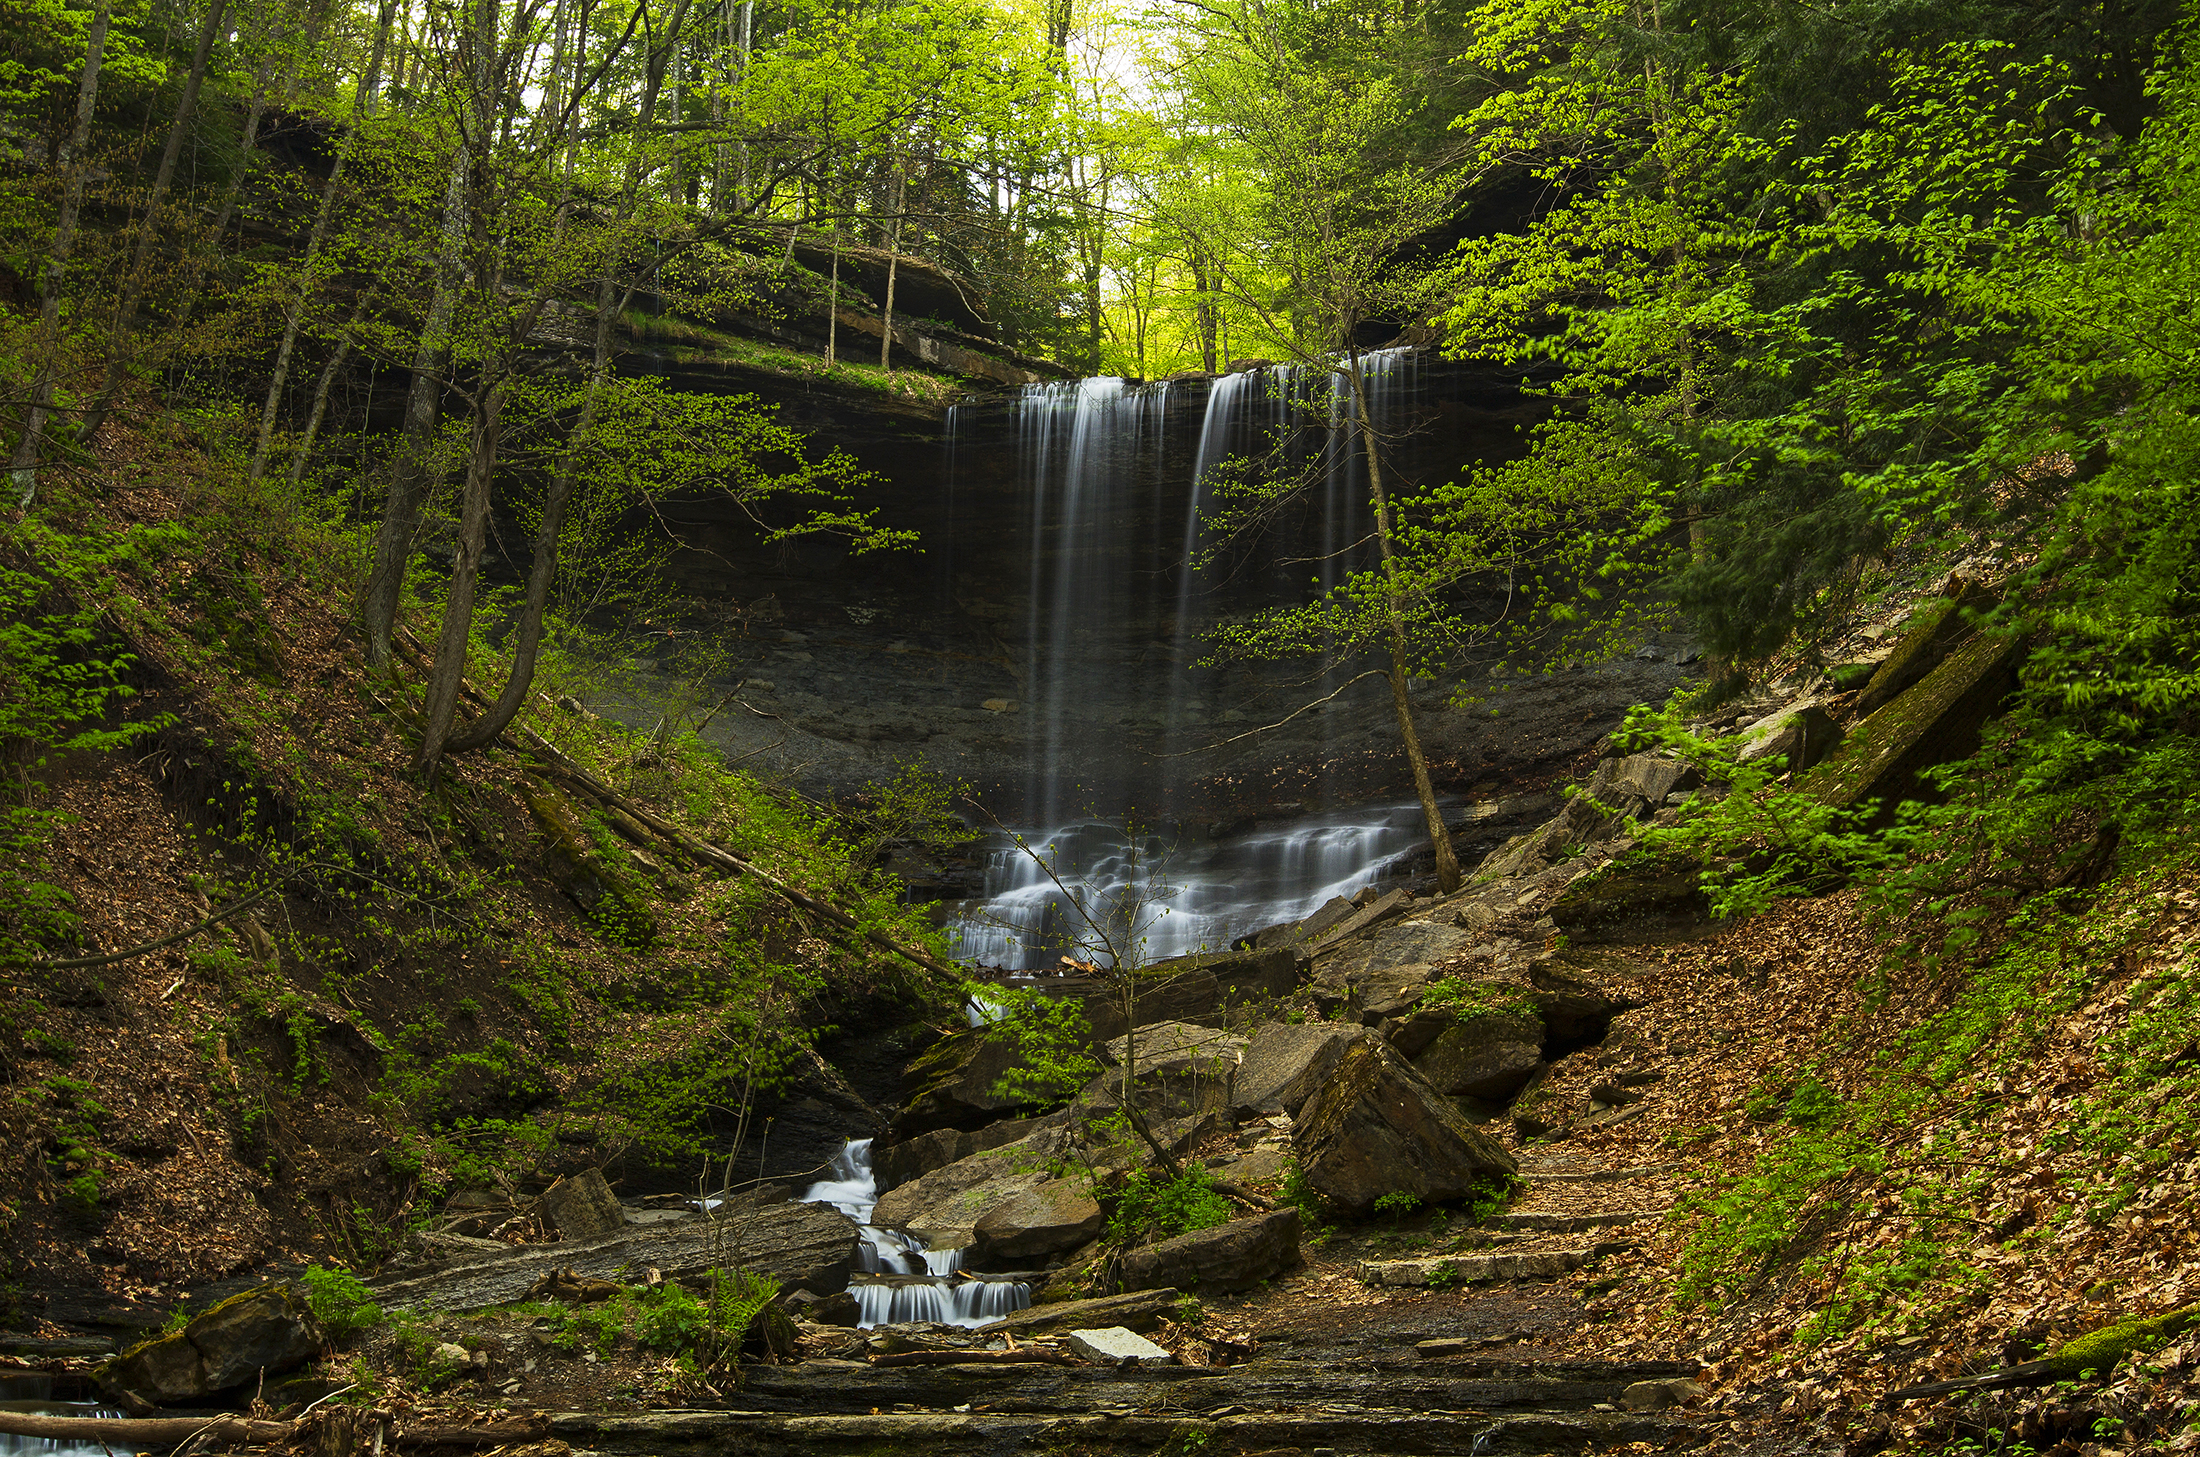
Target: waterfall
[[892, 1257], [1092, 457], [29, 1393]]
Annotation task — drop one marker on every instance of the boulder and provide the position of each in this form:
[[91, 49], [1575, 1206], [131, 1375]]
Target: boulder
[[1374, 913], [897, 1163], [1938, 720], [1286, 1063], [1408, 943], [1651, 777], [1800, 738], [582, 1207], [1183, 1070], [1619, 897], [944, 1206], [1394, 991], [1489, 1055], [1377, 1126], [262, 1332], [1045, 1219], [1227, 1258], [1572, 995], [957, 1084], [1932, 635]]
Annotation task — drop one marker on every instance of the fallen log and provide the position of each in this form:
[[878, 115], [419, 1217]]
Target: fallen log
[[143, 1431], [486, 1434], [1026, 1356]]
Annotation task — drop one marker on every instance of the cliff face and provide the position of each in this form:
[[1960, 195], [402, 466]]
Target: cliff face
[[1046, 630]]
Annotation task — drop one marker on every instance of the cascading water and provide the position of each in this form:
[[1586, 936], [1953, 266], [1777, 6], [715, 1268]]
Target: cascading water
[[908, 1281], [31, 1394], [1084, 450]]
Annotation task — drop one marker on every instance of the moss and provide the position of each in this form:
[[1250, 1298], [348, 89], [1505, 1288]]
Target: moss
[[1936, 721], [2099, 1351]]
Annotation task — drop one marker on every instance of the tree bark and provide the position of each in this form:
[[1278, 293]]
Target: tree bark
[[408, 493], [1447, 861], [458, 605], [25, 464], [141, 257], [893, 265]]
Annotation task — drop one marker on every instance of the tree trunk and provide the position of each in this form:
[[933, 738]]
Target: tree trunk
[[893, 265], [321, 389], [141, 258], [48, 347], [458, 605], [408, 492], [1447, 862]]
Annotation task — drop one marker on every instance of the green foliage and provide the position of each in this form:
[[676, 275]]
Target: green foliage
[[1467, 1000], [1397, 1204], [1052, 1035], [340, 1301], [1146, 1205]]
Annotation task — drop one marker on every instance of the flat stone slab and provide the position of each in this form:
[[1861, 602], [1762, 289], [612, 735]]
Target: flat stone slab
[[1116, 1345], [1555, 1223], [1140, 1310], [1472, 1269]]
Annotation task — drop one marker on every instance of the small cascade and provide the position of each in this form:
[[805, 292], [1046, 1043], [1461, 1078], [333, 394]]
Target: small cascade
[[908, 1281], [31, 1394]]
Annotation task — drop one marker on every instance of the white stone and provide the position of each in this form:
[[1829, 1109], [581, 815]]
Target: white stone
[[1118, 1343]]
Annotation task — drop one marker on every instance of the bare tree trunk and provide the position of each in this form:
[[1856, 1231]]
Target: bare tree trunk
[[141, 258], [329, 373], [1447, 861], [458, 607], [408, 492], [893, 265], [70, 163], [832, 302]]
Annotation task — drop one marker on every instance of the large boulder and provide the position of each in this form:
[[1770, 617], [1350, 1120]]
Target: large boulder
[[582, 1207], [1938, 720], [1183, 1070], [958, 1083], [259, 1333], [1287, 1063], [945, 1205], [1045, 1219], [1490, 1050], [1225, 1259], [1801, 738], [898, 1163], [1378, 1127], [1407, 943], [1933, 634]]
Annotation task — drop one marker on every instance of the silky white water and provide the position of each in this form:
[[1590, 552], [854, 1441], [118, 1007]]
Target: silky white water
[[889, 1252]]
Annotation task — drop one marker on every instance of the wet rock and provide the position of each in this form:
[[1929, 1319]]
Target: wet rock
[[945, 1205], [259, 1333], [1227, 1258], [1377, 1126], [1115, 1346], [582, 1207], [1285, 1063], [1043, 1220]]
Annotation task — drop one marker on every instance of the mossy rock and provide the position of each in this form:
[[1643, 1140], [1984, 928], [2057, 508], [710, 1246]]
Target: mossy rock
[[1935, 722], [2099, 1351], [1935, 633]]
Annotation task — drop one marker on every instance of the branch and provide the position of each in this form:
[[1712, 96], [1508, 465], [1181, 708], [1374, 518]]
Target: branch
[[1279, 723]]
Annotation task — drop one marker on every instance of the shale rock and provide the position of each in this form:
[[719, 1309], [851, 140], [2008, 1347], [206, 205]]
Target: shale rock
[[803, 1246], [1183, 1070], [898, 1163], [1800, 737], [1408, 943], [261, 1332], [1045, 1219], [1141, 1310], [1227, 1258], [1488, 1054], [1286, 1063], [1115, 1345], [1378, 1126]]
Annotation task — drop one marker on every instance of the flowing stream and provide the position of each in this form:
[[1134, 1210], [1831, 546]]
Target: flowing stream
[[32, 1395], [899, 1278]]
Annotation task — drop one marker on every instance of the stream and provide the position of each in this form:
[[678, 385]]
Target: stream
[[899, 1279], [31, 1394]]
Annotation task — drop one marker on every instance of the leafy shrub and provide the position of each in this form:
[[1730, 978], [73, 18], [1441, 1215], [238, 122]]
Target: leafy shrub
[[1166, 1207], [340, 1301]]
